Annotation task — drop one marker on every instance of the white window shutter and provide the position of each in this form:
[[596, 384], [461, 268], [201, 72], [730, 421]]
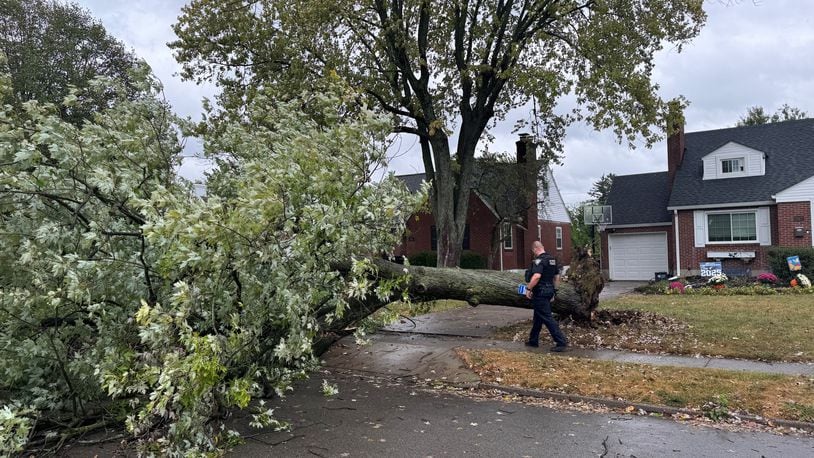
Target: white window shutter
[[700, 228], [764, 226]]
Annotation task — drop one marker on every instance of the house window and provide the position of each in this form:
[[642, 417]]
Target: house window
[[731, 227], [434, 238], [732, 165], [558, 235], [506, 235]]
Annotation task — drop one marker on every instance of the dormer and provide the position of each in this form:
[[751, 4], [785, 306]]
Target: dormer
[[734, 160]]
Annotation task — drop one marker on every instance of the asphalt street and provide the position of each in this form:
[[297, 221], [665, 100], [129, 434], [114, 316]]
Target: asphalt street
[[389, 417]]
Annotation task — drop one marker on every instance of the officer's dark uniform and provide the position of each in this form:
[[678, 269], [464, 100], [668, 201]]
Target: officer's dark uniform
[[545, 265]]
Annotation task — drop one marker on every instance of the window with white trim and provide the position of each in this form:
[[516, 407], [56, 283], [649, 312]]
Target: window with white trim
[[733, 165], [506, 236], [558, 237], [731, 227]]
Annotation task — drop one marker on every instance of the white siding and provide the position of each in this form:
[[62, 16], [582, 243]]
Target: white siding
[[754, 165], [553, 207], [800, 192]]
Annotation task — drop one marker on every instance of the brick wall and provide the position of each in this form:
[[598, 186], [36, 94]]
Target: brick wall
[[790, 216], [692, 256], [419, 230], [548, 236]]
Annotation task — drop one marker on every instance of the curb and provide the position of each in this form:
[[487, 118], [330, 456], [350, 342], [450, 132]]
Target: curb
[[806, 426]]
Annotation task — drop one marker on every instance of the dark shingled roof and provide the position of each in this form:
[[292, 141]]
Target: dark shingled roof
[[789, 148], [639, 199], [413, 182], [501, 185]]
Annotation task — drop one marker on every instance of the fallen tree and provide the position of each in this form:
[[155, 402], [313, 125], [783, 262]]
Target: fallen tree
[[121, 292], [576, 298]]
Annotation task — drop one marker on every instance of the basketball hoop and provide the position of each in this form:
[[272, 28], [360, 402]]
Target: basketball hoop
[[597, 215]]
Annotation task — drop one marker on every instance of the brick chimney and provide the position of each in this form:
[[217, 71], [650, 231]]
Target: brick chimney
[[526, 149], [675, 150], [527, 154]]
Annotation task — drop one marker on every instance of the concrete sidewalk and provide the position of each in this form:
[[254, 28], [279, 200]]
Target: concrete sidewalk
[[423, 346]]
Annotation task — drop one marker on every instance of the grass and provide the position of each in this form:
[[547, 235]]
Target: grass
[[752, 327], [711, 390], [771, 328], [396, 309]]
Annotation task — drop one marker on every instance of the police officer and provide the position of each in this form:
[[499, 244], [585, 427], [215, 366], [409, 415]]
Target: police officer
[[544, 278]]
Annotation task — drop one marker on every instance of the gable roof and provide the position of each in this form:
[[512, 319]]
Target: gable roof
[[789, 152], [639, 199]]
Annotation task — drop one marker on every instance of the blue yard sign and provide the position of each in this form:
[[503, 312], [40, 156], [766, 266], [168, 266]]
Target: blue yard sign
[[794, 263], [711, 269]]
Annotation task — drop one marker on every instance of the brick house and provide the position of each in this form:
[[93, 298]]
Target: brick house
[[544, 218], [728, 195]]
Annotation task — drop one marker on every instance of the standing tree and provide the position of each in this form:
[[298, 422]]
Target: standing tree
[[757, 115], [51, 46], [601, 187], [446, 71]]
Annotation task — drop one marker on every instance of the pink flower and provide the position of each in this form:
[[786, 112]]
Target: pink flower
[[677, 285]]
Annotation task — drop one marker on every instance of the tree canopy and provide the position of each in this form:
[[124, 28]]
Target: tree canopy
[[124, 298], [446, 71], [757, 115], [52, 46]]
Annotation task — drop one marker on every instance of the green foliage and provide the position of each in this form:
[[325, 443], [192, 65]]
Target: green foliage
[[757, 115], [52, 46], [779, 266], [580, 232], [717, 409], [447, 69], [119, 285], [601, 188], [424, 258], [472, 260]]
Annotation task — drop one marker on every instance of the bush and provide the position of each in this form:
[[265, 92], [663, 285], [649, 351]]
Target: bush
[[472, 260], [424, 258], [657, 287], [779, 266], [767, 278]]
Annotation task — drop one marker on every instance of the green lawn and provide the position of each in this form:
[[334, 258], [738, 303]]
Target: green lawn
[[754, 327]]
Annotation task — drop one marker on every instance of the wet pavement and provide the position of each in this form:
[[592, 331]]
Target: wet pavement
[[386, 406], [378, 417]]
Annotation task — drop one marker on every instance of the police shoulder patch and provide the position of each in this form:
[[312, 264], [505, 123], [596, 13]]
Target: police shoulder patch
[[552, 262], [536, 262]]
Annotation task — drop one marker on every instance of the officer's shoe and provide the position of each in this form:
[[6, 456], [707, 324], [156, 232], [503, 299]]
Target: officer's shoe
[[559, 348], [531, 344]]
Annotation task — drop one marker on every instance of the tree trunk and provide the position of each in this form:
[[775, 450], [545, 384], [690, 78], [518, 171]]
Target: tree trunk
[[473, 286]]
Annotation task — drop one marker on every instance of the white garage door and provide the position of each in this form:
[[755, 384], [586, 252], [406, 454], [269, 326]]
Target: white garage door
[[637, 256]]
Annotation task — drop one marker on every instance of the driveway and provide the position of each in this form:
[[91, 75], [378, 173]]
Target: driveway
[[614, 289]]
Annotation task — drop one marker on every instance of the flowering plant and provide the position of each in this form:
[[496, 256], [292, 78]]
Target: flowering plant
[[719, 279], [767, 278], [677, 286], [803, 281]]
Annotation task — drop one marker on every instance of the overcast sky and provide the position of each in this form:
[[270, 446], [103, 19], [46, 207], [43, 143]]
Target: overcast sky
[[751, 52]]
